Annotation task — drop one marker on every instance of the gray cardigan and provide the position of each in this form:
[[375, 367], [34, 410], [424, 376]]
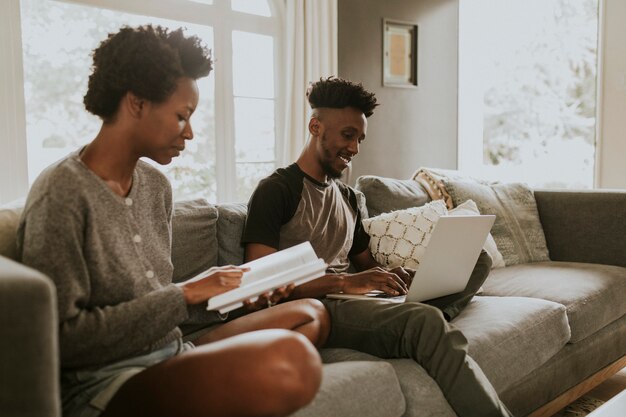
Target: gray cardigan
[[109, 258]]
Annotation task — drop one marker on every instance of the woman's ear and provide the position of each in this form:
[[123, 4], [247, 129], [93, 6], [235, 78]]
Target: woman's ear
[[134, 104]]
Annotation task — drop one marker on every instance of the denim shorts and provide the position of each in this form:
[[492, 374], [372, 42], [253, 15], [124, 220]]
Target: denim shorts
[[86, 393]]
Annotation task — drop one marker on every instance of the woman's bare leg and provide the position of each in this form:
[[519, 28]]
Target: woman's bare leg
[[307, 316], [263, 373]]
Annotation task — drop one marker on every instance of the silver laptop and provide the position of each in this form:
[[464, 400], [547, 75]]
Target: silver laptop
[[448, 261]]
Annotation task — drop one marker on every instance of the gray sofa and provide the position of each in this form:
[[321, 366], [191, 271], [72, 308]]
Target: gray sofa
[[543, 332]]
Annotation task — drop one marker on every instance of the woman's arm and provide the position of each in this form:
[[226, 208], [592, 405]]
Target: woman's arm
[[51, 240]]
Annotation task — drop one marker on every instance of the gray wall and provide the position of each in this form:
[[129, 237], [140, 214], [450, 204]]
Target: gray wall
[[412, 127]]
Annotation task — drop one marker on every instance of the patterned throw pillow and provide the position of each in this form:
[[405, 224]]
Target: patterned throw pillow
[[400, 238]]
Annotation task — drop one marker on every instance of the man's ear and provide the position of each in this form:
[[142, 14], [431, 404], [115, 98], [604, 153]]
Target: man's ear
[[134, 104], [314, 126]]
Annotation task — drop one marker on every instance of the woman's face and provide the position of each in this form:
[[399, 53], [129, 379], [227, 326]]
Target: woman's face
[[164, 127]]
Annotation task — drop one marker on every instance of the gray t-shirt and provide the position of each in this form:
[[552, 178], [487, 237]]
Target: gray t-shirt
[[109, 258], [289, 207]]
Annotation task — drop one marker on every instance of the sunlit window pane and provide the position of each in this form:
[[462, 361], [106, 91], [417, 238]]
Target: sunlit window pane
[[257, 7], [57, 41], [538, 61], [253, 65], [254, 130], [248, 176]]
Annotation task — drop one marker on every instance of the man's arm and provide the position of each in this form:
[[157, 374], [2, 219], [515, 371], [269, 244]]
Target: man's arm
[[364, 261], [372, 279]]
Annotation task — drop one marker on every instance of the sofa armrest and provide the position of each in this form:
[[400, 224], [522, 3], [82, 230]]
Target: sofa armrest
[[29, 360], [584, 226]]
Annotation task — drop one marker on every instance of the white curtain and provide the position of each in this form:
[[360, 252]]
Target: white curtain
[[13, 160], [311, 53]]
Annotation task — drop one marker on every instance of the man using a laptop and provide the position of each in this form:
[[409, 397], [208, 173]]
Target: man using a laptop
[[305, 202]]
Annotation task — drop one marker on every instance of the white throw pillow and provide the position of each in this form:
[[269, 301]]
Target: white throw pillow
[[400, 238], [469, 207]]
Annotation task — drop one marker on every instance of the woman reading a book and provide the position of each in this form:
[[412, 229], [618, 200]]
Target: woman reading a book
[[98, 223]]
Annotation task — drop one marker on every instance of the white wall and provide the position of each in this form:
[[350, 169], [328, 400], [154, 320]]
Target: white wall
[[413, 127], [611, 158]]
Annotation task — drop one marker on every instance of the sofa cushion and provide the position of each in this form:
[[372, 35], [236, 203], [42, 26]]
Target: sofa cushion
[[194, 242], [387, 194], [594, 295], [509, 337], [360, 388], [230, 223], [422, 395], [9, 221]]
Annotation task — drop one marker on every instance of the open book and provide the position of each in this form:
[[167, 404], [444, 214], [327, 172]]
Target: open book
[[295, 265]]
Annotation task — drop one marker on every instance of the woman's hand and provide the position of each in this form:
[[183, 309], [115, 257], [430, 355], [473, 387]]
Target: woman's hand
[[374, 279], [269, 299], [217, 281]]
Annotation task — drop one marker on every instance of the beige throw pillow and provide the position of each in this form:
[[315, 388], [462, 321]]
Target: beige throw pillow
[[400, 238], [468, 208], [517, 230]]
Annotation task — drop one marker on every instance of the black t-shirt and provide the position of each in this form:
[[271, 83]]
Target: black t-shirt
[[289, 207]]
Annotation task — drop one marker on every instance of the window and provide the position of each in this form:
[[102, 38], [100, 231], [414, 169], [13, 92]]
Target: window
[[527, 90], [234, 126]]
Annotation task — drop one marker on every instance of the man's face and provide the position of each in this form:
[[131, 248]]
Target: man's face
[[339, 135]]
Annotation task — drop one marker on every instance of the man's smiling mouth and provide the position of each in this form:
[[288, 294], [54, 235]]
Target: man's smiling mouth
[[345, 159]]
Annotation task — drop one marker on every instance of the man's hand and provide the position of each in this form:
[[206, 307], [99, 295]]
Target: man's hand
[[405, 274], [374, 279], [269, 299], [217, 281]]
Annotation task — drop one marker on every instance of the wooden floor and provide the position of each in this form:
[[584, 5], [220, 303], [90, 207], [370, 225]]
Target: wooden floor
[[606, 390]]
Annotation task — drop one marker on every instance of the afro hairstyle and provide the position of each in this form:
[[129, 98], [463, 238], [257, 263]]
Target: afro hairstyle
[[147, 61]]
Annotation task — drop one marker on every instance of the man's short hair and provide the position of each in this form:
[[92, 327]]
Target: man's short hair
[[337, 93]]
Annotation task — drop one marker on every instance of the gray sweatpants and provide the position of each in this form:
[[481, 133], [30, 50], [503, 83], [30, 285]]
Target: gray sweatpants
[[420, 332]]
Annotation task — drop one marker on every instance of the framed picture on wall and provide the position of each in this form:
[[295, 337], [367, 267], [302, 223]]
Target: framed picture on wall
[[399, 54]]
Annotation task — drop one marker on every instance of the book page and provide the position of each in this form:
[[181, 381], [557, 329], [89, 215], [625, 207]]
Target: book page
[[278, 262], [297, 265]]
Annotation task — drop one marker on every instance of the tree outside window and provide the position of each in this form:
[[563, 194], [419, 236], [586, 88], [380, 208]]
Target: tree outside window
[[534, 69]]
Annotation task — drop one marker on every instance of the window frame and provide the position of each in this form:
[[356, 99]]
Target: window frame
[[223, 20]]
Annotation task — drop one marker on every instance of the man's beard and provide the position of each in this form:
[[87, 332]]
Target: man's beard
[[325, 161]]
